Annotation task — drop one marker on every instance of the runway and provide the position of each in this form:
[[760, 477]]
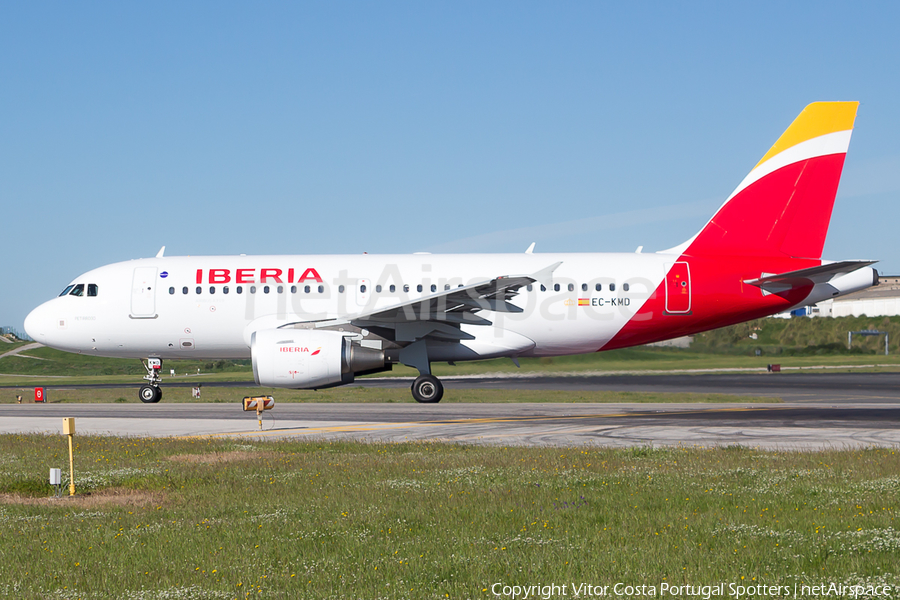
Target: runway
[[809, 386], [795, 387], [835, 410]]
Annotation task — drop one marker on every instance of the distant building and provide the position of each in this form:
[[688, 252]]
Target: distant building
[[681, 342], [10, 334], [882, 300]]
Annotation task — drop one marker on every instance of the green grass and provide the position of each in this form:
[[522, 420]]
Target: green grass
[[349, 520], [352, 393], [48, 361], [801, 337], [6, 347]]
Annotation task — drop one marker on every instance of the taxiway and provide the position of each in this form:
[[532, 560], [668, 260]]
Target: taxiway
[[833, 410]]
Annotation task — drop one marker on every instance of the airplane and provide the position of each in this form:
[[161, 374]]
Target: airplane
[[317, 321]]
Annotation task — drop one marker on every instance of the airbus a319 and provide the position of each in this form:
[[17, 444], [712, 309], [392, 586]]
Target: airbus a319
[[316, 321]]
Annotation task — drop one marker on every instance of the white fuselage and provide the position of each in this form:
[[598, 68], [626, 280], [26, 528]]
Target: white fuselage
[[208, 306]]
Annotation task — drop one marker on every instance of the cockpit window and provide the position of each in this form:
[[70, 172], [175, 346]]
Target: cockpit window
[[78, 290], [92, 289], [66, 291]]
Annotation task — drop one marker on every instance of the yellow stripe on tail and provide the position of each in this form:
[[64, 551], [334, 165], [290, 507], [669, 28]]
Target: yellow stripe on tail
[[818, 118]]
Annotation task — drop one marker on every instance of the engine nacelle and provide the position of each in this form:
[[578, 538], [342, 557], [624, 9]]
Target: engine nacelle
[[306, 358]]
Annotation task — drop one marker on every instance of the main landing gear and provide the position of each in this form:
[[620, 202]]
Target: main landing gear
[[427, 389], [151, 393]]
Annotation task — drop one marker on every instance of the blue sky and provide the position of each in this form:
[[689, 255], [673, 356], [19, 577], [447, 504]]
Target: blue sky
[[349, 127]]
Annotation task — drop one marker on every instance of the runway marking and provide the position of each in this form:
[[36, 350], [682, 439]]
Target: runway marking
[[475, 421]]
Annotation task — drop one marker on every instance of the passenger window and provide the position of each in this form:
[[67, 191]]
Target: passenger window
[[225, 289], [393, 288], [419, 288], [377, 289], [340, 289], [446, 286], [65, 291], [184, 290], [78, 290], [584, 287], [293, 289], [362, 288], [321, 289], [240, 289], [543, 288], [265, 289], [529, 287], [571, 287], [199, 289], [598, 287], [612, 287], [624, 287], [405, 287], [171, 291], [212, 289], [280, 289], [433, 288], [93, 289], [306, 289], [555, 287], [252, 289]]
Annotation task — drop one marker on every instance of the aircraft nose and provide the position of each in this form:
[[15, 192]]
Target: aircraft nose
[[37, 323]]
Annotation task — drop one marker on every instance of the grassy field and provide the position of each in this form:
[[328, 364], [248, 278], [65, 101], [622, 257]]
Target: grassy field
[[375, 395], [61, 367], [777, 338], [49, 362], [223, 519], [7, 346]]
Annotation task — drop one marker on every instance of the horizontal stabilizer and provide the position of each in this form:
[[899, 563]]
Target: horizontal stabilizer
[[782, 282]]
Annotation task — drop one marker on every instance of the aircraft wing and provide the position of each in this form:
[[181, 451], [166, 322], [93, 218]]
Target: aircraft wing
[[776, 284], [439, 315]]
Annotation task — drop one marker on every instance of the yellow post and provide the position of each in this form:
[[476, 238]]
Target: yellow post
[[69, 430]]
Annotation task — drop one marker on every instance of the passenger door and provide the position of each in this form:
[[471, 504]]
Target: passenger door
[[143, 293]]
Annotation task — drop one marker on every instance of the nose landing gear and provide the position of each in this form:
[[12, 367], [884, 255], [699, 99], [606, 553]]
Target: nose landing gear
[[151, 393]]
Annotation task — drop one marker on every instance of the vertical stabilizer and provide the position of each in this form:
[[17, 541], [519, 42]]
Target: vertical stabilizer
[[783, 206]]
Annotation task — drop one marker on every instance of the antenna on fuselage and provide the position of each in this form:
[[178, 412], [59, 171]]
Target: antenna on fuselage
[[161, 252]]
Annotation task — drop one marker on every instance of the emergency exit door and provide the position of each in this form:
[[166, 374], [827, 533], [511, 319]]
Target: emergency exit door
[[143, 293], [678, 288]]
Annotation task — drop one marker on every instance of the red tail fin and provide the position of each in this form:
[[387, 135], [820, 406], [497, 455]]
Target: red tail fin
[[783, 206]]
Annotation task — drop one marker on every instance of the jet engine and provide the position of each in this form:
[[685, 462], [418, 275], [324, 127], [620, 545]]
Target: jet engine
[[306, 358]]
